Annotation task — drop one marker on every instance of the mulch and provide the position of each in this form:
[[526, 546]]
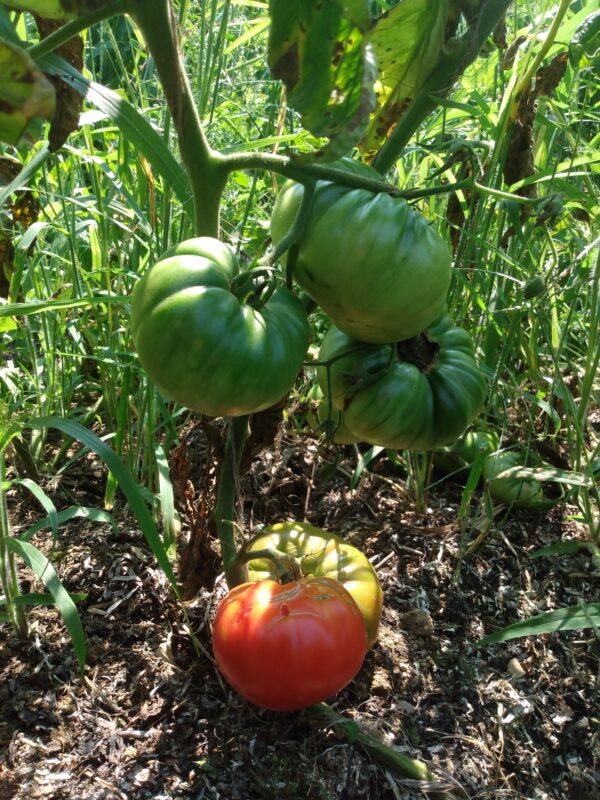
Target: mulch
[[152, 718]]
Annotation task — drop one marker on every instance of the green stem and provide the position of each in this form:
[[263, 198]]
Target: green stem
[[453, 62], [303, 173], [284, 564], [225, 506], [378, 751], [9, 582], [205, 166], [76, 26]]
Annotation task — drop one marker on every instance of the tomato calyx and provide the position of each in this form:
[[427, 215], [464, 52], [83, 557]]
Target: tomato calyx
[[420, 351], [288, 568], [254, 287]]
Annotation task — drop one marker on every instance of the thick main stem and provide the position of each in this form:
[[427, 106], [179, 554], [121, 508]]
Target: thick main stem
[[203, 164], [225, 506]]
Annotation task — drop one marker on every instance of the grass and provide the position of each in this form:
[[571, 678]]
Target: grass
[[525, 269]]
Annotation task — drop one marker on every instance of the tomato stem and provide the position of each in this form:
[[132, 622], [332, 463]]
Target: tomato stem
[[387, 756], [288, 567], [225, 506]]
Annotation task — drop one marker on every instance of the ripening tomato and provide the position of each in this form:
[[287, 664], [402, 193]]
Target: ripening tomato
[[285, 647]]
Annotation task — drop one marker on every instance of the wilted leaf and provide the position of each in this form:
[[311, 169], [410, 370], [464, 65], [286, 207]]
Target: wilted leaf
[[69, 101], [407, 41], [25, 92], [548, 78], [59, 9], [319, 51]]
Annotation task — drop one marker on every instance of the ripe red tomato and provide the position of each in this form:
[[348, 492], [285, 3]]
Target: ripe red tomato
[[285, 647]]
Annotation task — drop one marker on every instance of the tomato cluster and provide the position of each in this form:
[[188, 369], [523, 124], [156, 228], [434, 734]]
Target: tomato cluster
[[397, 371], [394, 371], [287, 646]]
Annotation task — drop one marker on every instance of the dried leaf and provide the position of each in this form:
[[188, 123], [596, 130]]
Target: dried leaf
[[69, 102]]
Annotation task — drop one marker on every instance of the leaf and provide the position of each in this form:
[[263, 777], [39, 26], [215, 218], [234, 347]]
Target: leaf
[[25, 93], [320, 52], [586, 39], [39, 307], [72, 512], [561, 548], [573, 618], [43, 599], [128, 485], [363, 463], [133, 124], [407, 41], [44, 570], [59, 9], [547, 474]]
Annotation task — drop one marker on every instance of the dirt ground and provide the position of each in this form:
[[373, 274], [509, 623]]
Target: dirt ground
[[153, 719]]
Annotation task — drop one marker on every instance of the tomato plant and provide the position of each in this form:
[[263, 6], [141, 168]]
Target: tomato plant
[[373, 263], [322, 554], [286, 647], [416, 395], [208, 347]]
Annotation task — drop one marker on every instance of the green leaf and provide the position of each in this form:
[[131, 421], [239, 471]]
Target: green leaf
[[573, 618], [320, 52], [59, 9], [25, 93], [43, 499], [126, 481], [407, 41], [547, 474], [44, 570], [73, 512], [28, 309], [586, 39], [363, 463], [43, 599], [560, 549], [133, 124]]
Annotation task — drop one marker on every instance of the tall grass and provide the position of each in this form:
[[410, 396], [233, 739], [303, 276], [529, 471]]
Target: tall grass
[[527, 288]]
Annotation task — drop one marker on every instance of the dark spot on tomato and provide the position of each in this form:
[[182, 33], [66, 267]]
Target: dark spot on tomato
[[284, 610]]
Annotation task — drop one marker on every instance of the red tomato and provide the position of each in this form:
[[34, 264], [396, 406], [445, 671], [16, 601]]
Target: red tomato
[[287, 647]]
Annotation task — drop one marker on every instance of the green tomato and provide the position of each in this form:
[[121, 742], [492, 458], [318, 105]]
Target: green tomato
[[413, 395], [465, 450], [206, 348], [324, 555], [512, 491], [374, 264]]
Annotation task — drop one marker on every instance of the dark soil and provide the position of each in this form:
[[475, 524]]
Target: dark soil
[[153, 719]]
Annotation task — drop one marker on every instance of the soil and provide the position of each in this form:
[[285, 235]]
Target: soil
[[152, 718]]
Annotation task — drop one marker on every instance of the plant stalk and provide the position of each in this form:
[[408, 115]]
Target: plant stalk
[[9, 581], [224, 512], [204, 165]]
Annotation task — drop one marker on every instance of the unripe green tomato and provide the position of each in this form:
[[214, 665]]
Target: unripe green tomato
[[512, 491], [413, 395], [374, 264], [206, 348], [324, 555]]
